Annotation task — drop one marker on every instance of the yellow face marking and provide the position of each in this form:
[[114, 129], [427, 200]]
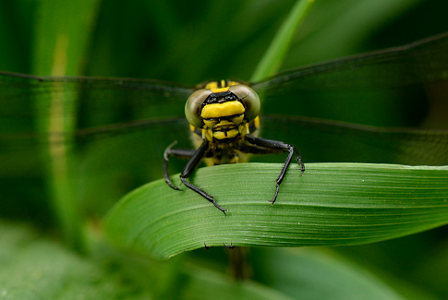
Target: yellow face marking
[[212, 134], [238, 120], [220, 135], [210, 123], [225, 123], [218, 110]]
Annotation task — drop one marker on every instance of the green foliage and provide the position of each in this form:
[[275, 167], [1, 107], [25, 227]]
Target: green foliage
[[331, 205], [43, 269], [37, 268], [189, 42]]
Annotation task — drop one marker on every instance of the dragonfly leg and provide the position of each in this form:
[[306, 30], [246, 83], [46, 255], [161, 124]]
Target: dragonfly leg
[[190, 167], [176, 153], [260, 145]]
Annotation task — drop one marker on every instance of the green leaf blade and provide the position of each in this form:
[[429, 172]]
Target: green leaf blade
[[34, 267], [331, 204], [312, 273], [273, 58]]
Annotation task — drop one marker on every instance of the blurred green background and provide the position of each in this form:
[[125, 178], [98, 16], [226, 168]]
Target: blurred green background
[[190, 42], [202, 40]]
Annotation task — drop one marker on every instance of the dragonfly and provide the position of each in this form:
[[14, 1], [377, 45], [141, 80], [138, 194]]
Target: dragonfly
[[362, 108], [224, 121]]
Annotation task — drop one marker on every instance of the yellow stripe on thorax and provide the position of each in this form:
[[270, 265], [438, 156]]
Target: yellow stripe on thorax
[[217, 110]]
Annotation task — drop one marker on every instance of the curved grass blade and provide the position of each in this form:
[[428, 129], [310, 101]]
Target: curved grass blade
[[273, 58], [332, 204]]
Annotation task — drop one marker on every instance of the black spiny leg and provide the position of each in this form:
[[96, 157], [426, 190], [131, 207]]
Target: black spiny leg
[[272, 146], [177, 153], [190, 167]]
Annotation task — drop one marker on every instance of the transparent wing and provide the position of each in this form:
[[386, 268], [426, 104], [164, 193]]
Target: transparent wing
[[388, 87], [332, 141], [90, 101], [104, 113]]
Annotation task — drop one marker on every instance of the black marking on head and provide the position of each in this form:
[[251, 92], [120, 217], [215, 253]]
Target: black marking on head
[[227, 118], [220, 98]]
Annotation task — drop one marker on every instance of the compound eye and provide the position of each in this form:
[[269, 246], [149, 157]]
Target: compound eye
[[193, 107], [249, 98]]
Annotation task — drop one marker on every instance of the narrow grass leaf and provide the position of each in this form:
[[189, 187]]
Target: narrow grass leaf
[[273, 58], [60, 41]]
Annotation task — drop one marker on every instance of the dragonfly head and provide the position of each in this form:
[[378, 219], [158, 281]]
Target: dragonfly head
[[223, 110]]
